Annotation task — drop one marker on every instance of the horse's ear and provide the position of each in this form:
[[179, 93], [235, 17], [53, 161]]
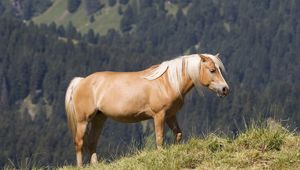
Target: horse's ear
[[218, 55], [203, 58]]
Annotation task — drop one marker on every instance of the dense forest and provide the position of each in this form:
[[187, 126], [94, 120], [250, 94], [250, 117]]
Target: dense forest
[[259, 43], [23, 9]]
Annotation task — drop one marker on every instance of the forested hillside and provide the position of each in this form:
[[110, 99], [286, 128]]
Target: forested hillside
[[24, 9], [258, 41]]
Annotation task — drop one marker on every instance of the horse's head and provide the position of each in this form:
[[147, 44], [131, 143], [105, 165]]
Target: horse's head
[[211, 76]]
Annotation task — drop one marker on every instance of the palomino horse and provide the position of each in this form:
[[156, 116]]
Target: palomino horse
[[155, 93]]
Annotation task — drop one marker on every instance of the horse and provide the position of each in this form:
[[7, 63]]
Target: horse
[[154, 93]]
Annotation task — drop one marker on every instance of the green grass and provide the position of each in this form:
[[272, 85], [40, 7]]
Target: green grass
[[268, 146], [173, 8], [105, 19], [33, 109]]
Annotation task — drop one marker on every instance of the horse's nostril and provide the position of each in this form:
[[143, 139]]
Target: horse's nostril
[[225, 90]]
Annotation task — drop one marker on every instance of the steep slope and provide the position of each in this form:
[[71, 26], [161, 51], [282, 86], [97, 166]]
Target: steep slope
[[24, 9], [271, 147], [104, 19]]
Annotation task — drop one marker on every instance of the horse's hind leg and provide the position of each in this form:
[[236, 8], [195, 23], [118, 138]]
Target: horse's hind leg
[[96, 127], [81, 128], [173, 125]]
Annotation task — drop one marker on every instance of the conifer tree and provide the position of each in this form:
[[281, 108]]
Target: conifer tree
[[73, 5], [92, 6]]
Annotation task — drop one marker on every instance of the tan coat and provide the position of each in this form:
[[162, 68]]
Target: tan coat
[[130, 97]]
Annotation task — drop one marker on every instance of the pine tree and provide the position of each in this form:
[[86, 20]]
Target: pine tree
[[4, 93], [2, 8], [73, 5], [27, 10], [92, 19], [92, 6], [71, 30], [128, 19], [90, 37], [124, 2], [112, 3]]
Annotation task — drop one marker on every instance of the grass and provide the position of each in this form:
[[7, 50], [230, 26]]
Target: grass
[[105, 19], [28, 106], [268, 146], [173, 8]]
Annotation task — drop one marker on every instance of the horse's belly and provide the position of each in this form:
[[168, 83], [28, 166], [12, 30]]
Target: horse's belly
[[124, 106], [128, 117]]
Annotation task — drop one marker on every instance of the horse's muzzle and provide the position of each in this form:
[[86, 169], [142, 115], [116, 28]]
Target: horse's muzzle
[[225, 91]]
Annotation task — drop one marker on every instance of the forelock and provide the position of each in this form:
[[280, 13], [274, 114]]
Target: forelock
[[219, 64]]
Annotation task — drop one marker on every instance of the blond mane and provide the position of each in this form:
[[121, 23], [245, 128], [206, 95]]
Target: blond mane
[[175, 70]]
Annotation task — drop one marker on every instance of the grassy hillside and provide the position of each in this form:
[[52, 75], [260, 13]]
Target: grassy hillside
[[105, 19], [269, 147]]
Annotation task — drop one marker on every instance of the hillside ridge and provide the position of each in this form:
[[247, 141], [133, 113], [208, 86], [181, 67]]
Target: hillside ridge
[[269, 146], [101, 20]]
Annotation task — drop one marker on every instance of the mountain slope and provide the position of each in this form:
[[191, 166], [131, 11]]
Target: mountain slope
[[104, 19], [24, 9], [271, 147]]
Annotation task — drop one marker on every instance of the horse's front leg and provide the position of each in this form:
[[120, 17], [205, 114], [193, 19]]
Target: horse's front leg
[[173, 125], [96, 127], [159, 122]]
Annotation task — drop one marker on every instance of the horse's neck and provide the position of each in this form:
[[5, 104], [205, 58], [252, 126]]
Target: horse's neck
[[187, 84]]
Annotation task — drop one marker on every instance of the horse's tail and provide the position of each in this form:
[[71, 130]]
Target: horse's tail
[[69, 104]]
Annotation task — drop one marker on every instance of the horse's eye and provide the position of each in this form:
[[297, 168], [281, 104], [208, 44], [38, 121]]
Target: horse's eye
[[212, 70]]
